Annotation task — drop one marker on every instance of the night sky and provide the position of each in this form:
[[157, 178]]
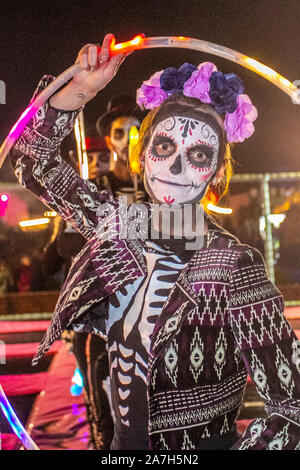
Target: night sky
[[41, 37]]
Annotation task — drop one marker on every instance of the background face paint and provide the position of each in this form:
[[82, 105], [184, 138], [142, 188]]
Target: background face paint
[[119, 136], [180, 160], [98, 162]]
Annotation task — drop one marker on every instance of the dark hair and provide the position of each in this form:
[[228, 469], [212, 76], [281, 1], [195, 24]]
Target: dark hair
[[184, 105]]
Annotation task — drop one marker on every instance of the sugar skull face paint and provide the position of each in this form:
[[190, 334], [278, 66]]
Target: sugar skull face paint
[[180, 160], [98, 161], [119, 136]]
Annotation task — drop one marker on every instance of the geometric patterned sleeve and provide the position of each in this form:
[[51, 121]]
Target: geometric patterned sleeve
[[270, 351], [39, 167]]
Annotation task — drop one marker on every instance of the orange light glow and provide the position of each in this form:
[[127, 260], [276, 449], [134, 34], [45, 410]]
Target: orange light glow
[[34, 222], [219, 210], [261, 68], [127, 46], [133, 135], [50, 214], [135, 167], [133, 140]]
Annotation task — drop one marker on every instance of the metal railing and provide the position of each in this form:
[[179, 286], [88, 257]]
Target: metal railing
[[264, 179]]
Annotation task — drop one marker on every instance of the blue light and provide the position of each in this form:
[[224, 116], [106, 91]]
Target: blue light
[[75, 390], [77, 378], [10, 419], [77, 381]]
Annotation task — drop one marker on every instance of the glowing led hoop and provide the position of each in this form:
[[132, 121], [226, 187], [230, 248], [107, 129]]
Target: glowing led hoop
[[134, 165], [50, 214], [4, 198], [81, 146], [140, 42], [34, 222], [133, 140], [218, 209], [15, 423]]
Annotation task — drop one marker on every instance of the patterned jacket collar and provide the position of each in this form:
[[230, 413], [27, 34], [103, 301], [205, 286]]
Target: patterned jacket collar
[[100, 269]]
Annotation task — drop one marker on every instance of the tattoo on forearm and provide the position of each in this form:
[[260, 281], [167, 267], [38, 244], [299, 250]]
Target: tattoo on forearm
[[81, 96]]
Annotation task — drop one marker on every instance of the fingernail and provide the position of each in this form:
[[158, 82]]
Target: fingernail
[[103, 59]]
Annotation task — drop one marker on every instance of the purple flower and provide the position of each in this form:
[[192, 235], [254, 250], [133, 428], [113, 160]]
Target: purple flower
[[235, 83], [172, 80], [150, 94], [224, 90], [197, 86], [238, 125]]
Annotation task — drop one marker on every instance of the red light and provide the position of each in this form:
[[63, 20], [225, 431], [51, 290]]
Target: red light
[[127, 46], [4, 197]]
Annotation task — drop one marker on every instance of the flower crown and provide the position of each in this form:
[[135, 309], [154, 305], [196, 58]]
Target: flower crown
[[224, 92]]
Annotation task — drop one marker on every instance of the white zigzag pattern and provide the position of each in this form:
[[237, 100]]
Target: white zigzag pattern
[[192, 417]]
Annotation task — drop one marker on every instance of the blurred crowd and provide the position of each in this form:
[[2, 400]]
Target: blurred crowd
[[22, 272], [39, 260]]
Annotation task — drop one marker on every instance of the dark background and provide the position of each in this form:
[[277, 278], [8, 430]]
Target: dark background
[[43, 37]]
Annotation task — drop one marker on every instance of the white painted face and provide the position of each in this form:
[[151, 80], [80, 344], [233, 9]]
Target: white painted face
[[98, 161], [180, 160], [119, 135]]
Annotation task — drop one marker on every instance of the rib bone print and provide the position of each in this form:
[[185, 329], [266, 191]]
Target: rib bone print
[[132, 315]]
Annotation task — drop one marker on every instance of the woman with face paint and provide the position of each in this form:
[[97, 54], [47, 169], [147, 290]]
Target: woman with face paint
[[183, 153], [184, 327]]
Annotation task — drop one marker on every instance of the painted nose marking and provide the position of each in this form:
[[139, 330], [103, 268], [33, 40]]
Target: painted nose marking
[[176, 167]]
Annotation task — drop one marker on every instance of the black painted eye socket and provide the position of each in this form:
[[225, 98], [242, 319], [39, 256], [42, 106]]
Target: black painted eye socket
[[163, 147], [118, 134], [200, 155]]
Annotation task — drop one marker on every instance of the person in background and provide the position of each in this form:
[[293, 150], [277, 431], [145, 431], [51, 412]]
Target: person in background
[[6, 278], [29, 274], [248, 221], [98, 158], [114, 126], [89, 350], [108, 160], [289, 246], [108, 164]]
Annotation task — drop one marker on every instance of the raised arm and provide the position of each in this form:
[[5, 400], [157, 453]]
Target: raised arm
[[36, 157], [97, 69]]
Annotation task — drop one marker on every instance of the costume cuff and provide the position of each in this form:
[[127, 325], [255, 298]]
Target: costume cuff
[[49, 126]]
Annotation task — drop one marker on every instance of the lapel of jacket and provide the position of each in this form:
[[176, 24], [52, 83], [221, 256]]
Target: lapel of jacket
[[117, 253], [182, 300], [104, 265]]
